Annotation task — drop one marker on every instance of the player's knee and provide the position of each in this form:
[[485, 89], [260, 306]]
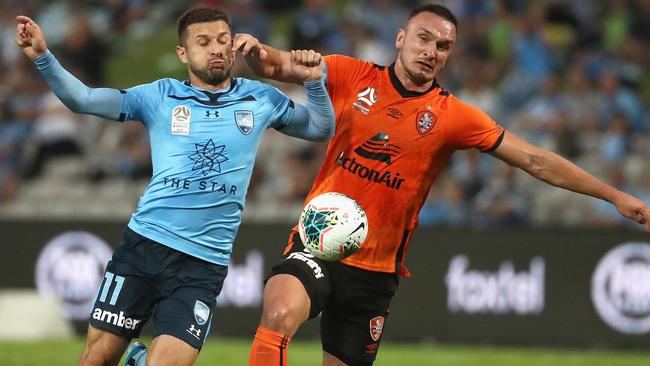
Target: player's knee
[[282, 317], [102, 348], [93, 355]]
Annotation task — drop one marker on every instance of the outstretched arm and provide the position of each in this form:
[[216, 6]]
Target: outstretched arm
[[269, 62], [102, 102], [316, 120], [554, 169]]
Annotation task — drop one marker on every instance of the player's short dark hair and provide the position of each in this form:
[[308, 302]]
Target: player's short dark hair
[[437, 9], [199, 15]]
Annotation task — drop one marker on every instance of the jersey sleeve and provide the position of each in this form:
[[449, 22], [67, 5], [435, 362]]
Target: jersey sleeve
[[139, 101], [283, 108], [340, 70], [471, 128]]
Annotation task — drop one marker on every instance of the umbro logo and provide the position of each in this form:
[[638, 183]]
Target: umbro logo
[[378, 148], [395, 113]]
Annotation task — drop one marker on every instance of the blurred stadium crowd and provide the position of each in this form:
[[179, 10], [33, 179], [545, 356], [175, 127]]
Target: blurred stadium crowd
[[569, 75]]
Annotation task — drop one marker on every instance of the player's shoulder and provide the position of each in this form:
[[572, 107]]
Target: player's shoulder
[[253, 86], [249, 83], [469, 114], [165, 84], [343, 61], [456, 104], [257, 89]]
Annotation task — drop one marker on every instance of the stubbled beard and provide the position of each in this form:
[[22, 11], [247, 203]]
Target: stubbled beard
[[211, 76], [417, 77]]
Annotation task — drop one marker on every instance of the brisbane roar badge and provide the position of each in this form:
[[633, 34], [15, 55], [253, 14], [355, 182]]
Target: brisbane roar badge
[[376, 327], [425, 121]]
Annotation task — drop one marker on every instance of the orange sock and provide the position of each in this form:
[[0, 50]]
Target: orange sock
[[269, 348]]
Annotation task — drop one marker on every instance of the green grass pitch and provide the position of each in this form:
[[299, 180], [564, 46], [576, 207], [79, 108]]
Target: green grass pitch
[[225, 352]]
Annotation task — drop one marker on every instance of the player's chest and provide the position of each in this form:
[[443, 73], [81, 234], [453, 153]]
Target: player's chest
[[413, 124], [189, 120]]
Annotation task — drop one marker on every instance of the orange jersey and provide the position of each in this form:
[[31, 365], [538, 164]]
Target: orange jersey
[[388, 148]]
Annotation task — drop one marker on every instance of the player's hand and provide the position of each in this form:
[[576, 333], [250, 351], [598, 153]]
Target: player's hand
[[307, 64], [30, 37], [248, 45], [634, 209]]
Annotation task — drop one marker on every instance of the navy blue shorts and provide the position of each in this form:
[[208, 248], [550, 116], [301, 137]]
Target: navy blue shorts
[[144, 278]]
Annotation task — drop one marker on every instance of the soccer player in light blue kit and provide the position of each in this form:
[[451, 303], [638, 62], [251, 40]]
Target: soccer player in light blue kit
[[204, 133]]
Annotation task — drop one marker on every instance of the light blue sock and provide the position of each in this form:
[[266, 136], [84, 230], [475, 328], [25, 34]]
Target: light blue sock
[[136, 355], [140, 358]]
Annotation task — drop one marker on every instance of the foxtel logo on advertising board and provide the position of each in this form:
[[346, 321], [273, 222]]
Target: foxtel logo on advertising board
[[501, 292]]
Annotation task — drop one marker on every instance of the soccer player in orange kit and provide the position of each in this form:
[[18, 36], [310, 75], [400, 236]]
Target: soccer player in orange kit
[[395, 129]]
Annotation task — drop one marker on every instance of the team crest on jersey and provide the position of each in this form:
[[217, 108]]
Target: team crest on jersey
[[181, 117], [366, 98], [425, 121], [245, 121], [376, 327], [201, 312]]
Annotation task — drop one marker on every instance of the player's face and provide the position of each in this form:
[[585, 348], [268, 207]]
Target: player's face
[[424, 46], [207, 51]]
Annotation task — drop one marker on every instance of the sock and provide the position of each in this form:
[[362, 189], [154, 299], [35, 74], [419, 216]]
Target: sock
[[138, 359], [269, 348]]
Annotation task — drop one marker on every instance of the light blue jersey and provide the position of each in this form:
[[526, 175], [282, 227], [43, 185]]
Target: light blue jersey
[[203, 150], [203, 147]]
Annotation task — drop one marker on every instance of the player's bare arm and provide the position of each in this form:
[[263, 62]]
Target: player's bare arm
[[555, 170], [293, 67]]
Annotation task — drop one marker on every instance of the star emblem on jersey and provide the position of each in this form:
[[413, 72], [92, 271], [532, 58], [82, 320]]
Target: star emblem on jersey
[[208, 157], [318, 221], [425, 121]]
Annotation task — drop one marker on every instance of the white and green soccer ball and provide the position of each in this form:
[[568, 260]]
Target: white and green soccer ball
[[332, 226]]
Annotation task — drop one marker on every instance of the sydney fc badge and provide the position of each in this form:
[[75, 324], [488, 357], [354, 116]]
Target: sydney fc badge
[[245, 121]]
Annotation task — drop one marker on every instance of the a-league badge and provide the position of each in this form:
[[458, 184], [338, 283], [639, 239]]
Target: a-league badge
[[201, 312], [425, 121], [181, 117], [245, 121]]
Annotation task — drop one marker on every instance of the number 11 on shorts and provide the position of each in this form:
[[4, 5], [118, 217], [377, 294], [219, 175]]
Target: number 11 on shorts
[[119, 281]]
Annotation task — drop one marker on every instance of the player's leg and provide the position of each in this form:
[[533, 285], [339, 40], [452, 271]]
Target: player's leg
[[286, 304], [331, 360], [102, 348], [169, 350], [286, 307], [295, 292], [352, 322], [184, 316], [123, 304]]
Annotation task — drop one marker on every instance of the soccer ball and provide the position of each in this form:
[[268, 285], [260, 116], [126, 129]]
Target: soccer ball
[[333, 226]]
